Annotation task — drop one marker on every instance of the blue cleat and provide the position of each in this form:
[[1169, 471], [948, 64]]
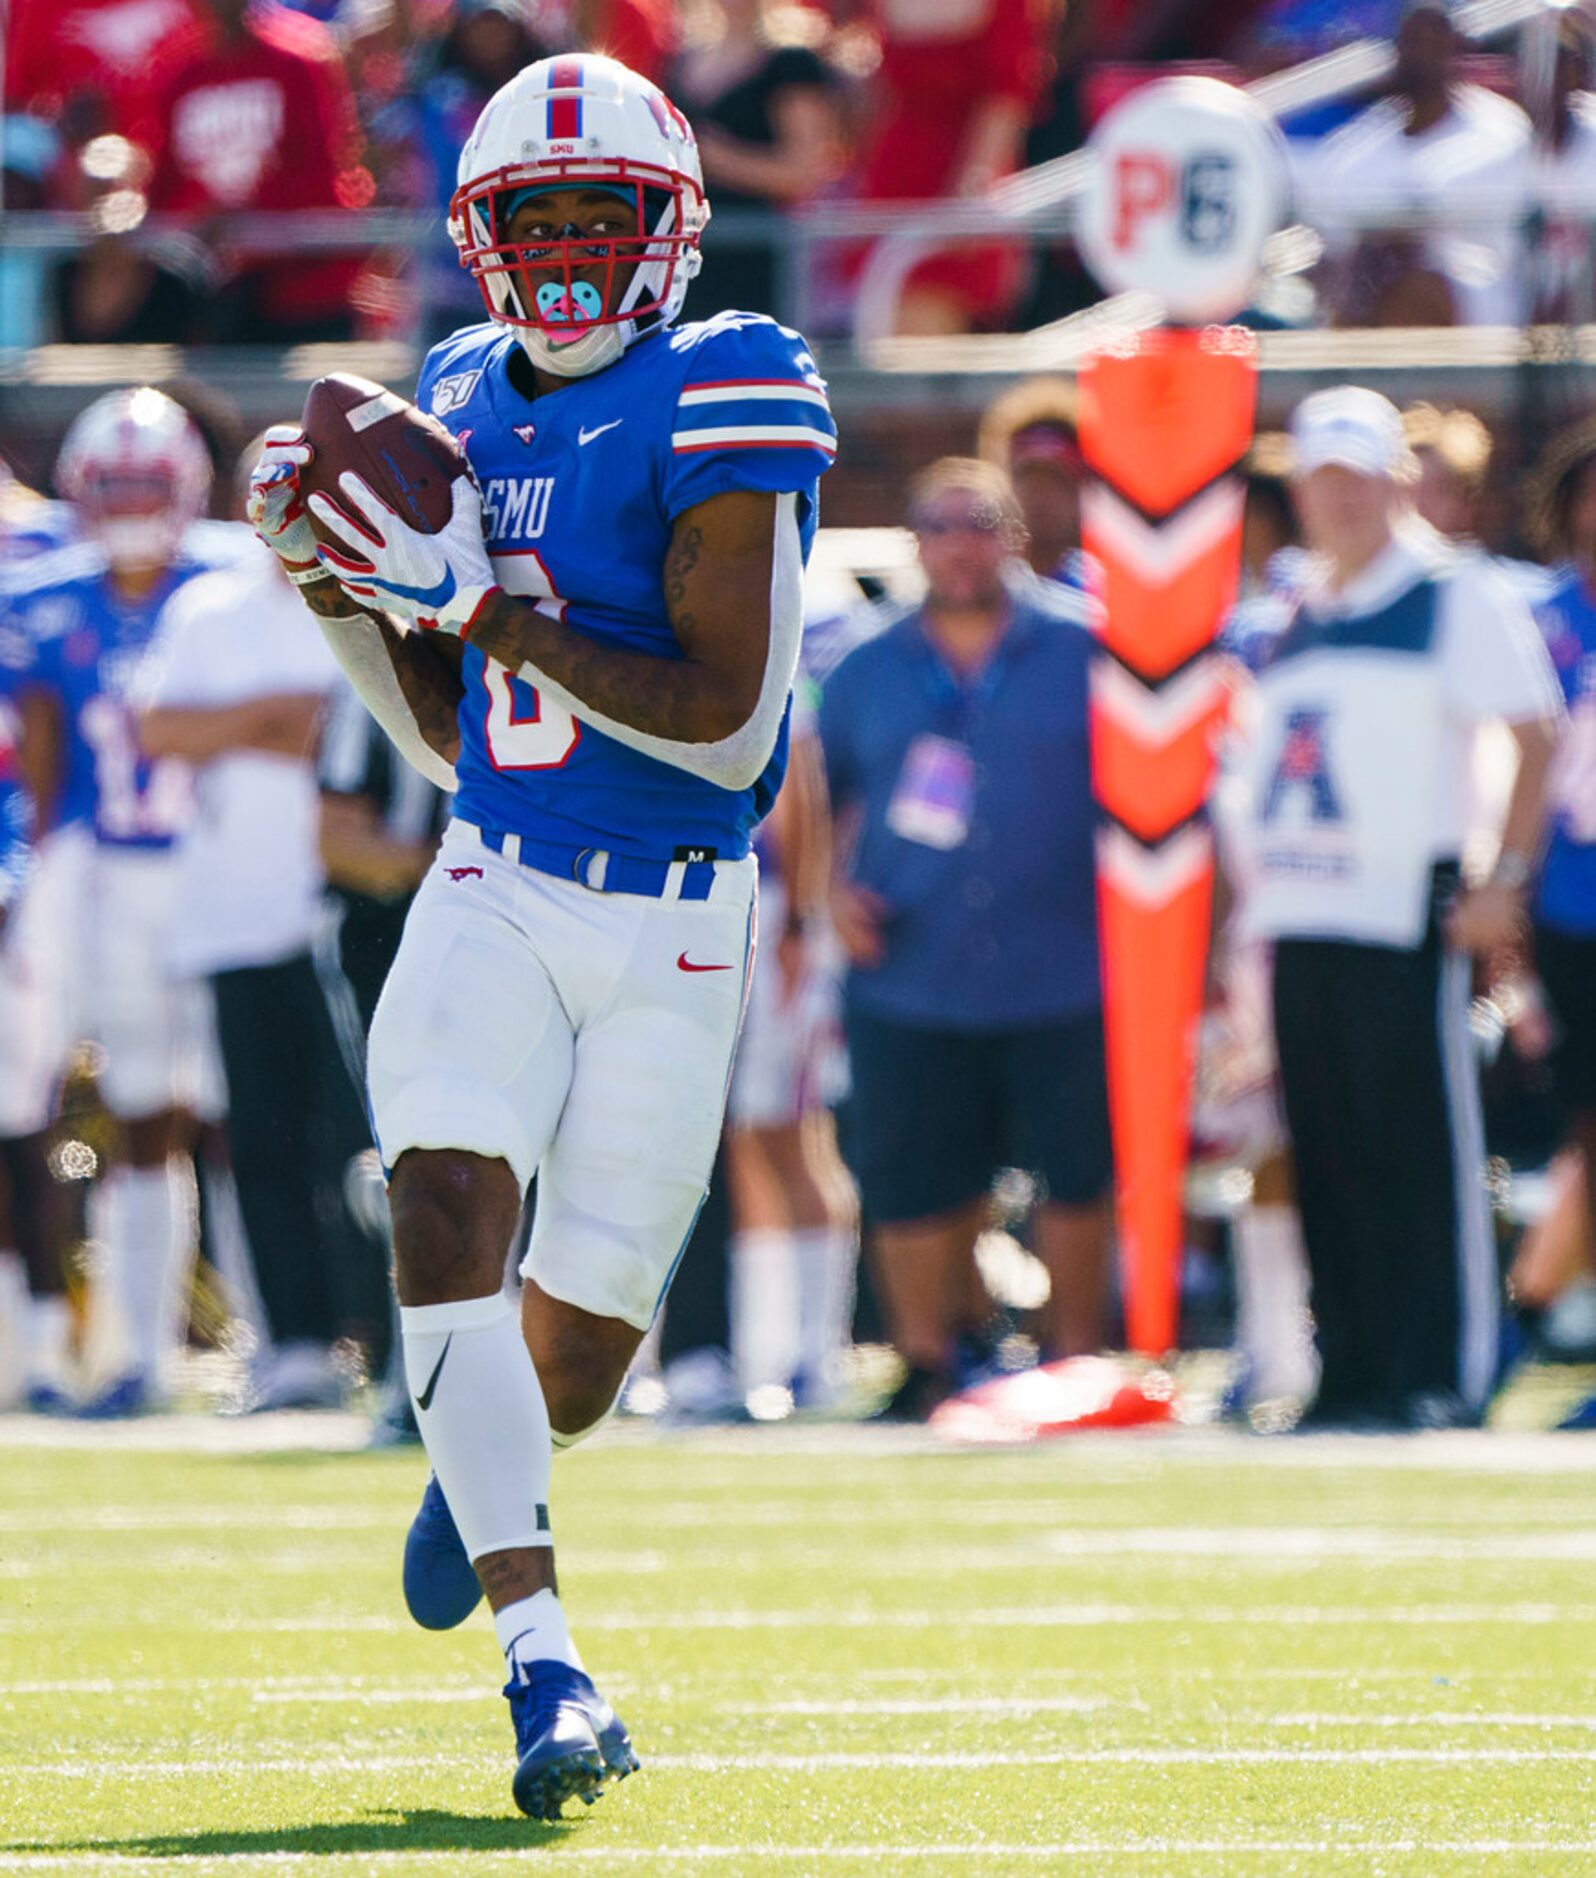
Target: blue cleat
[[441, 1585], [571, 1743], [1582, 1417], [127, 1397]]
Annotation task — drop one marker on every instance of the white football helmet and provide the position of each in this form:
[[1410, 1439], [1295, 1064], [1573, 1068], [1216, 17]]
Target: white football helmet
[[581, 122], [135, 468]]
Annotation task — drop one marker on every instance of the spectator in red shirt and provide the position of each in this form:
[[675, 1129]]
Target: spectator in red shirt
[[96, 66], [958, 84], [640, 33], [263, 119]]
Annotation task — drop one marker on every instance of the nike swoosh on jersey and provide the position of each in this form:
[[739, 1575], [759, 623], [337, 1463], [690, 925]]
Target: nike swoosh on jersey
[[424, 1400], [685, 964], [584, 435]]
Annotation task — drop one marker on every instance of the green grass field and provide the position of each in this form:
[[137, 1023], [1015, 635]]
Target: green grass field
[[837, 1651]]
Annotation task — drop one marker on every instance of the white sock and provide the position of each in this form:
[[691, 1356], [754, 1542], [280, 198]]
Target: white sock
[[49, 1332], [532, 1630], [1272, 1322], [481, 1413], [825, 1258], [149, 1237], [764, 1307]]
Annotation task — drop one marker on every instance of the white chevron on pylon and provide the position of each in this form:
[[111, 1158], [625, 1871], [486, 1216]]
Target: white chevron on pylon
[[1156, 552], [1152, 877], [1156, 714]]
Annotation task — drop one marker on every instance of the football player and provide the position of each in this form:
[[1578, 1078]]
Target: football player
[[794, 1242], [136, 471], [600, 652]]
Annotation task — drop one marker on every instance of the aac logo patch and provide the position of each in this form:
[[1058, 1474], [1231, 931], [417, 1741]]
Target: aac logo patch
[[1303, 763]]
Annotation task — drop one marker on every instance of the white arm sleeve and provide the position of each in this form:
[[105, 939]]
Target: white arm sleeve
[[737, 761], [357, 646]]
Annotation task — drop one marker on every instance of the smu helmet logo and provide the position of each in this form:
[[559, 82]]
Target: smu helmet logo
[[1302, 763]]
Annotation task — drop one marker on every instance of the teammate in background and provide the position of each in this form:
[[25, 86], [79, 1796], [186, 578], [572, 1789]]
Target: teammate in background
[[794, 1240], [1031, 433], [1565, 895], [606, 680], [137, 473], [16, 829], [32, 1226], [32, 1207]]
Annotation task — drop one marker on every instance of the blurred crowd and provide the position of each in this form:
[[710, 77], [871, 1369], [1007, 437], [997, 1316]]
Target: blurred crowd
[[207, 850], [1461, 190]]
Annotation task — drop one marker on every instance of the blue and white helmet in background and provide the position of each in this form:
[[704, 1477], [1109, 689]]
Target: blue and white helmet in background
[[138, 473], [581, 122]]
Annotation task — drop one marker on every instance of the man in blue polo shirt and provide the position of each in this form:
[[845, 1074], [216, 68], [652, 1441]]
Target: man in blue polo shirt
[[957, 752]]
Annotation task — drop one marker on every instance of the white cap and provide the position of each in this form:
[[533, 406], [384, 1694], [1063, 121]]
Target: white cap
[[1351, 426]]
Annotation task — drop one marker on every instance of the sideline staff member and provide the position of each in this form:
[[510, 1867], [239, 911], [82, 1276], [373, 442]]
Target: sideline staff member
[[1357, 795]]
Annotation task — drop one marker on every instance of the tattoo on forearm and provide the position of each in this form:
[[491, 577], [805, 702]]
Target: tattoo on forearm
[[679, 699], [328, 599], [432, 689]]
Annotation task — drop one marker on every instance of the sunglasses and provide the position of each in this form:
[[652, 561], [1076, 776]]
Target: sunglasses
[[981, 522]]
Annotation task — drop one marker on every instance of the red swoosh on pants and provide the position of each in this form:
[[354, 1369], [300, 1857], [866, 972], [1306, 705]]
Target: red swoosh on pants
[[684, 964]]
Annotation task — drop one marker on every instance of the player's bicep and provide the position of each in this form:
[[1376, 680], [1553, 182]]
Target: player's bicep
[[718, 587]]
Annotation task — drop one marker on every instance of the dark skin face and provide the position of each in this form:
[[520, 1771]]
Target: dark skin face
[[596, 215], [1426, 53]]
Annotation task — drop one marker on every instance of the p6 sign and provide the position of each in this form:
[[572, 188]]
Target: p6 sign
[[1188, 181]]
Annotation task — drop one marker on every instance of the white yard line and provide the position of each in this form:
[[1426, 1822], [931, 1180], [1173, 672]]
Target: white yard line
[[1240, 1545], [1127, 1454], [321, 1765], [358, 1689], [309, 1692], [1038, 1617]]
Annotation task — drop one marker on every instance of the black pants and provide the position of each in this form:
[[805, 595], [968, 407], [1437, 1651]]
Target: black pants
[[292, 1125], [1382, 1099]]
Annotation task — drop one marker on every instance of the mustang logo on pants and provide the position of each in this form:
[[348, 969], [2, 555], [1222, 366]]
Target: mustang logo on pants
[[463, 873]]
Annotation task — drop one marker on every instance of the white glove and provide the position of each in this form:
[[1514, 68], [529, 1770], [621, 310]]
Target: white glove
[[439, 582], [275, 507]]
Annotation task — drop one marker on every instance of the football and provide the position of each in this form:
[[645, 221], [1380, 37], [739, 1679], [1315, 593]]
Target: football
[[406, 456]]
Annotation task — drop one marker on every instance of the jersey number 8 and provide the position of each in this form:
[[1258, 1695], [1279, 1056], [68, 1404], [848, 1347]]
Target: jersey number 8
[[526, 730]]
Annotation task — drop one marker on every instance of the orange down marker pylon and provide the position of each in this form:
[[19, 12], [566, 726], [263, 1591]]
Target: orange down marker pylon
[[1164, 422]]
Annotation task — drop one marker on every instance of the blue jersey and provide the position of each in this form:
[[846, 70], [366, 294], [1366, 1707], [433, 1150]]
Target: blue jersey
[[67, 632], [581, 488], [30, 527], [1567, 896], [16, 825]]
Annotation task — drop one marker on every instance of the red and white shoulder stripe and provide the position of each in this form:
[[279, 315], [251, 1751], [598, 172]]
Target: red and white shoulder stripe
[[754, 414]]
